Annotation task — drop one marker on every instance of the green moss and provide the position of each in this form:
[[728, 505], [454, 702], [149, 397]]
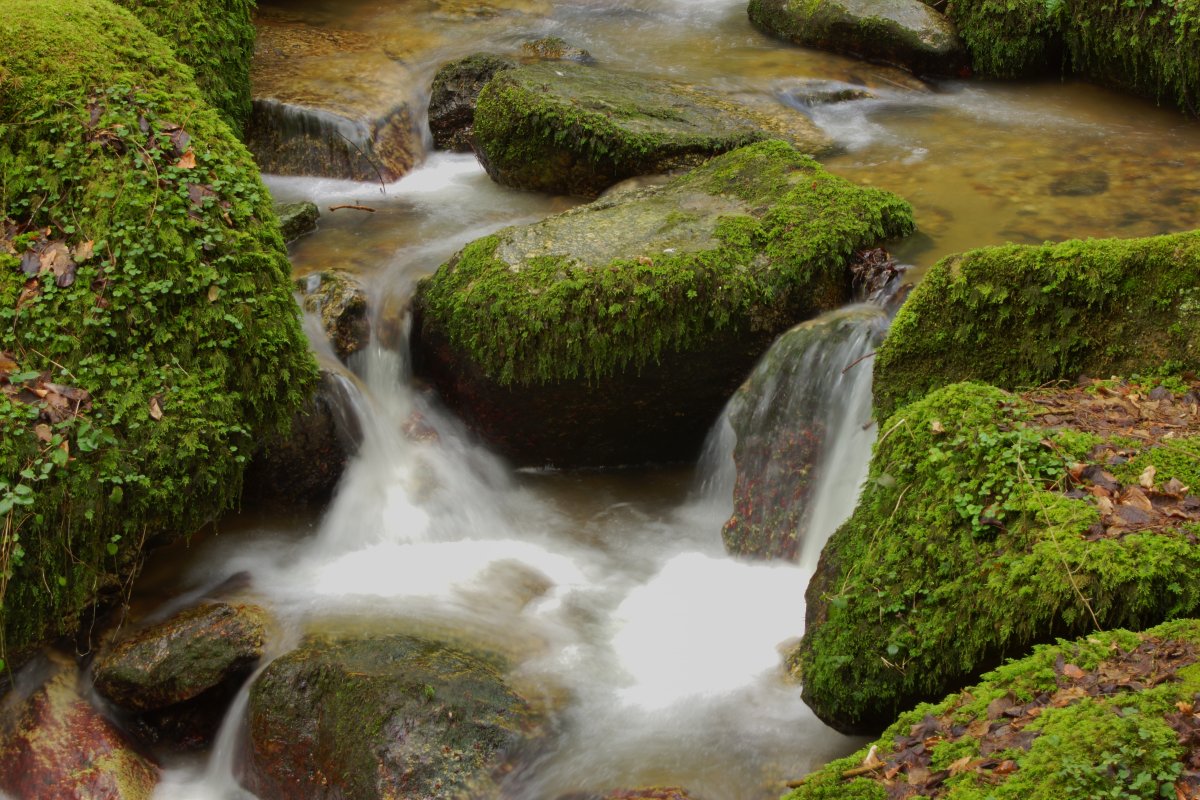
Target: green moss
[[1011, 38], [1171, 458], [614, 285], [962, 549], [1019, 316], [183, 308], [1111, 745]]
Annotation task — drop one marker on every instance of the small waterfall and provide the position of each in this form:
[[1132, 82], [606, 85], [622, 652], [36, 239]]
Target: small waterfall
[[803, 430]]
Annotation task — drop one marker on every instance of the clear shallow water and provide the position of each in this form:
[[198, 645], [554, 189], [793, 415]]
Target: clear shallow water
[[612, 590]]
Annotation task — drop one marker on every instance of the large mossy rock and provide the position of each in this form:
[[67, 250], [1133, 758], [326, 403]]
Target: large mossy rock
[[1018, 316], [1150, 49], [453, 95], [215, 39], [991, 522], [903, 33], [614, 333], [54, 744], [574, 129], [381, 717], [1112, 715], [149, 333]]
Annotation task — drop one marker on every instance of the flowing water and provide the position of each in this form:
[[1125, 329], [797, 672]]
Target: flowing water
[[610, 592]]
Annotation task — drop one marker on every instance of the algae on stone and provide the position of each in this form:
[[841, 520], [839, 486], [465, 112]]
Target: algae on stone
[[1018, 316], [965, 547], [1105, 716], [157, 296], [215, 39], [575, 129]]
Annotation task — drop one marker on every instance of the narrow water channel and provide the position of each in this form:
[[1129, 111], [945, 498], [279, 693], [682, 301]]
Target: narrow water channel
[[610, 592]]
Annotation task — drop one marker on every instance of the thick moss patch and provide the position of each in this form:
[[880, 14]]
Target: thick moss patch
[[149, 332], [575, 129], [1019, 316], [985, 527], [1112, 715], [215, 39], [1149, 47], [756, 239]]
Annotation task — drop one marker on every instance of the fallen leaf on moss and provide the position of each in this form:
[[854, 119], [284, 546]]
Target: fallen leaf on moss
[[187, 160], [155, 409]]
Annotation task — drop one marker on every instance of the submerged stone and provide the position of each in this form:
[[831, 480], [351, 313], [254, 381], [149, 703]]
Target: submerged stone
[[574, 129], [330, 103], [297, 219], [54, 744], [613, 333], [987, 526], [903, 33], [381, 717]]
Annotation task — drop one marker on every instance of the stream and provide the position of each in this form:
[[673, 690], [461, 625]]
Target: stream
[[612, 589]]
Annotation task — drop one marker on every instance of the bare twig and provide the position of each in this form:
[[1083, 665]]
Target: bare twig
[[352, 207]]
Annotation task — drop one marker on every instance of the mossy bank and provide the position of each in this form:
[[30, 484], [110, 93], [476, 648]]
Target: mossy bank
[[149, 333], [657, 301], [1019, 316], [991, 522], [1112, 715]]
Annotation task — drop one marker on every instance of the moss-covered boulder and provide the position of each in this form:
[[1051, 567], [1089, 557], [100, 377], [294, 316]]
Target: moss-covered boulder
[[381, 717], [456, 88], [574, 129], [331, 102], [297, 219], [991, 522], [149, 332], [903, 33], [1018, 316], [54, 744], [1148, 48], [799, 395], [215, 39], [614, 333], [1114, 715]]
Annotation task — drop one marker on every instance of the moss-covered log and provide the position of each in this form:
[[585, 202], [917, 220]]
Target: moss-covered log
[[1112, 715], [987, 526], [1019, 316], [149, 332], [215, 39]]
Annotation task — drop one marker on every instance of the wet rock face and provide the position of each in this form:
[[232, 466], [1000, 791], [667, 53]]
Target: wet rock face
[[452, 98], [614, 333], [297, 219], [329, 103], [341, 302], [53, 744], [903, 33], [380, 717], [573, 129]]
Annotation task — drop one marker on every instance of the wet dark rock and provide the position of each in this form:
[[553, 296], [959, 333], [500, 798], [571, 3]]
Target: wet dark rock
[[567, 128], [903, 33], [297, 219], [1083, 183], [303, 468], [381, 717], [341, 302], [456, 87], [821, 93], [54, 744]]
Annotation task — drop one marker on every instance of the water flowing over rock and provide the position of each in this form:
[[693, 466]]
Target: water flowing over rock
[[614, 333], [381, 717], [574, 129], [54, 744], [341, 302], [331, 103], [809, 390], [903, 33]]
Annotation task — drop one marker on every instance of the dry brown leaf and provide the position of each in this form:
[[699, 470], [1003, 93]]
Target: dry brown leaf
[[1135, 497], [187, 160], [1146, 479], [7, 363], [214, 292], [872, 760], [961, 765], [937, 427], [1073, 672], [43, 432], [155, 409], [83, 251]]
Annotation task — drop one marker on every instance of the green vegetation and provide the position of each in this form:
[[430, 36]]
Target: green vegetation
[[215, 39], [1018, 316], [1150, 47], [613, 285], [149, 334], [964, 547], [1102, 717]]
